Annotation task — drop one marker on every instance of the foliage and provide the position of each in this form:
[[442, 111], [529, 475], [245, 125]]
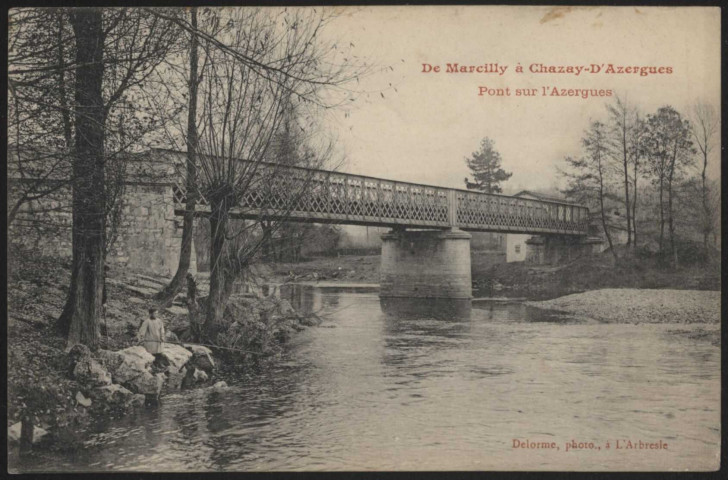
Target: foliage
[[588, 175], [485, 165], [674, 204], [256, 63]]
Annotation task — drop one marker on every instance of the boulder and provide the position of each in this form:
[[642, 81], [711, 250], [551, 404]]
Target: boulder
[[117, 396], [177, 355], [90, 372], [137, 400], [147, 384], [201, 357], [180, 299], [170, 336], [14, 433], [221, 385], [175, 379], [82, 400], [310, 320], [75, 354], [200, 376], [176, 310], [126, 364], [78, 351]]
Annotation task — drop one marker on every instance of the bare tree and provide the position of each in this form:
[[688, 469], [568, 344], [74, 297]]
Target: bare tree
[[41, 66], [588, 176], [299, 76], [40, 123], [705, 127], [114, 50], [295, 143], [242, 107], [637, 153], [669, 149], [194, 78], [622, 123], [88, 197]]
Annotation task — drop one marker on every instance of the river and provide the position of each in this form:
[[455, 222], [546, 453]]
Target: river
[[383, 386]]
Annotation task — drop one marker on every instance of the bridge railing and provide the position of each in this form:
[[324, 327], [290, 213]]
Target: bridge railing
[[297, 193], [475, 210]]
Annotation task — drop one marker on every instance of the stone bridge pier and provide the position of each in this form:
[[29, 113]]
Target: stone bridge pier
[[435, 264], [426, 264]]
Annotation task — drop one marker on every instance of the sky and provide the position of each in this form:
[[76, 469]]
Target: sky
[[413, 126]]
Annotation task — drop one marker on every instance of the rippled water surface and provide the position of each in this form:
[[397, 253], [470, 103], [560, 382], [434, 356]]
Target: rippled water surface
[[389, 387]]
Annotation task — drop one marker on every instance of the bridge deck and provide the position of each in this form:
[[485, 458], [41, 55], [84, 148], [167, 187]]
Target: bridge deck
[[307, 195]]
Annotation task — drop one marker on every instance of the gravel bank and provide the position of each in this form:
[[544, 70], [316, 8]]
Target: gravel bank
[[626, 305]]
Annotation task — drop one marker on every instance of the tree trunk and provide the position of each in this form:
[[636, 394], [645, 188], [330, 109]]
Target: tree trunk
[[626, 184], [267, 240], [166, 295], [707, 227], [65, 115], [662, 215], [216, 299], [671, 225], [670, 222], [26, 433], [89, 192], [604, 219], [634, 207]]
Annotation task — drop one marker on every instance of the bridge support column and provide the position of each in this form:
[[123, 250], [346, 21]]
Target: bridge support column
[[555, 249], [426, 264]]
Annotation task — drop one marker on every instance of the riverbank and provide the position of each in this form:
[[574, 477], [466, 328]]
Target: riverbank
[[40, 372], [361, 393], [66, 392], [519, 279], [626, 305]]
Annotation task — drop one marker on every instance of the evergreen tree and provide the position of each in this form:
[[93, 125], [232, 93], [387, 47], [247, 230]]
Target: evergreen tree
[[485, 164]]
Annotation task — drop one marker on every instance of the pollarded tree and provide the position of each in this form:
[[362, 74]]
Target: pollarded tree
[[242, 106], [298, 67], [485, 165]]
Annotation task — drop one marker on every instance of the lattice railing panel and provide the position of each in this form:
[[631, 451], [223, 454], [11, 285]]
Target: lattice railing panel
[[480, 211], [325, 196]]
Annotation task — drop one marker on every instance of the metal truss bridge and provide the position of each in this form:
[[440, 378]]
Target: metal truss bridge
[[308, 195]]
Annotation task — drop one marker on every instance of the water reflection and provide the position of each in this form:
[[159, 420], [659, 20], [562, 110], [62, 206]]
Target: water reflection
[[301, 297], [424, 308], [410, 385], [514, 311]]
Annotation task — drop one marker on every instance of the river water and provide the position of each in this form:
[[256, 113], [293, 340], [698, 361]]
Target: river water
[[413, 386]]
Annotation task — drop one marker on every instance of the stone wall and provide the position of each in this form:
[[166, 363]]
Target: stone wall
[[149, 235], [148, 238], [43, 225]]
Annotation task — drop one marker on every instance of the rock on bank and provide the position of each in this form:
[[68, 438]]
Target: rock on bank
[[625, 305]]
